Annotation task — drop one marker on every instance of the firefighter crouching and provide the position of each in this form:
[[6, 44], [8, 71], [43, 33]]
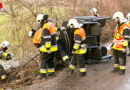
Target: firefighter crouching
[[4, 56], [45, 40], [128, 22], [79, 47], [120, 43]]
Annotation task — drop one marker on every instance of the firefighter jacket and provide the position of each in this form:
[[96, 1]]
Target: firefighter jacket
[[45, 37], [79, 41], [121, 37], [4, 55]]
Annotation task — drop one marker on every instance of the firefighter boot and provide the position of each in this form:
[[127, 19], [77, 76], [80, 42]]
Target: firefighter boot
[[41, 76], [67, 62], [115, 70], [121, 72], [82, 73]]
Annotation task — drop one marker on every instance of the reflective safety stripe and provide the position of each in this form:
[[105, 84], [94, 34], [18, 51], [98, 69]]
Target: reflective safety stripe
[[82, 69], [125, 43], [43, 49], [57, 38], [76, 46], [127, 36], [115, 47], [116, 65], [71, 66], [54, 48], [47, 44], [83, 45], [56, 29], [81, 51], [51, 70], [65, 58], [3, 77], [122, 67], [43, 71], [47, 37], [77, 41], [5, 54]]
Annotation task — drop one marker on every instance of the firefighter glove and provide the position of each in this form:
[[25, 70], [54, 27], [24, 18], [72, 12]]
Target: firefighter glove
[[123, 50], [31, 33]]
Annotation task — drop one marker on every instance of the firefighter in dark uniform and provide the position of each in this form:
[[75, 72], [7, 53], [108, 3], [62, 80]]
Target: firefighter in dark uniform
[[4, 56], [45, 39], [79, 47], [128, 23], [120, 43]]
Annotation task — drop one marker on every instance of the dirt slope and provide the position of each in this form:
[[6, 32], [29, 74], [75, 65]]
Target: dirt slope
[[99, 78]]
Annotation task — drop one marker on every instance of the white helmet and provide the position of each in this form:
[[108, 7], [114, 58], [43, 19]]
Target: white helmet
[[93, 10], [128, 16], [73, 23], [40, 17], [5, 44], [119, 16]]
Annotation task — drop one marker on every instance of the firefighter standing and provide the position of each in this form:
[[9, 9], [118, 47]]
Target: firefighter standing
[[45, 40], [128, 18], [120, 43], [4, 56], [79, 47], [94, 12]]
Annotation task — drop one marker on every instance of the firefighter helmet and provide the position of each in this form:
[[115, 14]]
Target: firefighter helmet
[[73, 23], [128, 16], [118, 16], [5, 44], [41, 17], [93, 10]]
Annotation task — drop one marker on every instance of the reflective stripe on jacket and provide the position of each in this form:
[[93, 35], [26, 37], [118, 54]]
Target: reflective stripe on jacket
[[119, 41], [48, 41], [79, 41]]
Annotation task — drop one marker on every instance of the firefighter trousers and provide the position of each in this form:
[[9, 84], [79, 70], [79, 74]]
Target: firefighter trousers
[[119, 59], [78, 60], [2, 73], [47, 63], [62, 55]]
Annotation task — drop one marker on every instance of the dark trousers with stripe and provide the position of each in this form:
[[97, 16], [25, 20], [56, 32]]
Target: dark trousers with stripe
[[119, 58], [61, 54], [78, 60], [2, 71], [47, 61]]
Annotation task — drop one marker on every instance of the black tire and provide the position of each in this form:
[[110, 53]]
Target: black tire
[[104, 51], [96, 54]]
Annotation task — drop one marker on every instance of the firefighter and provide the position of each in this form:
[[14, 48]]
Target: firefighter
[[45, 40], [79, 47], [61, 53], [128, 18], [94, 12], [120, 43], [4, 56]]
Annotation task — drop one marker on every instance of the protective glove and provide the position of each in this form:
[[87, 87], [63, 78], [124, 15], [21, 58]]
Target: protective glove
[[124, 50], [31, 33]]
